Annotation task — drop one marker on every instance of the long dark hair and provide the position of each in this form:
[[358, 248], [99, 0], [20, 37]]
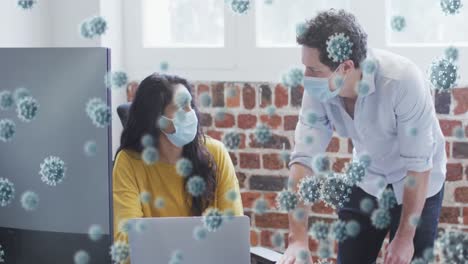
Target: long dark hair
[[154, 93]]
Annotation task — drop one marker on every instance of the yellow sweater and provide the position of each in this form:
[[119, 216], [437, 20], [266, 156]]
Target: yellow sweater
[[131, 177]]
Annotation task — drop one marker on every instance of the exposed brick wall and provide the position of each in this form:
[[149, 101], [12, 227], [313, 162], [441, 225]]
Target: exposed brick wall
[[261, 171]]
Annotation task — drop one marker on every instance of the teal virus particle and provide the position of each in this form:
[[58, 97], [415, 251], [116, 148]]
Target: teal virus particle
[[120, 251], [415, 220], [277, 240], [85, 30], [228, 214], [381, 218], [303, 255], [339, 47], [231, 92], [52, 170], [141, 226], [162, 123], [428, 254], [93, 27], [195, 186], [90, 148], [125, 226], [81, 257], [451, 7], [159, 203], [212, 219], [338, 81], [26, 4], [260, 206], [287, 200], [311, 118], [2, 254], [231, 195], [458, 132], [147, 140], [7, 130], [301, 28], [232, 140], [398, 23], [145, 197], [369, 66], [352, 228], [6, 100], [443, 74], [324, 250], [205, 99], [387, 199], [200, 233], [268, 2], [20, 93], [184, 167], [321, 163], [240, 7], [309, 189], [320, 230], [164, 66], [285, 156], [7, 192], [95, 232], [293, 78], [336, 190], [29, 200], [116, 80], [177, 257], [355, 172], [363, 88], [365, 159], [262, 133], [451, 54], [338, 230], [27, 109], [453, 246], [309, 140], [271, 110], [299, 214], [183, 98], [98, 112], [366, 205], [150, 155]]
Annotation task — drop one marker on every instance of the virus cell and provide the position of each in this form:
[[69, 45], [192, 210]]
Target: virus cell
[[412, 131], [98, 112], [98, 25], [6, 100], [176, 257], [7, 192], [415, 220], [458, 132], [299, 214], [90, 148], [231, 92], [268, 2], [200, 233], [362, 88], [309, 189], [29, 200], [150, 155], [183, 98], [119, 251], [27, 108], [81, 257], [125, 226], [380, 218], [277, 240], [162, 123], [141, 226], [418, 261], [260, 206], [387, 199], [184, 167], [220, 114], [293, 78], [301, 28], [453, 246], [164, 66], [85, 30], [443, 74], [320, 230], [159, 203], [398, 23], [117, 79], [262, 133], [369, 66], [228, 214], [26, 4], [336, 190], [366, 205], [325, 249], [232, 140], [355, 171], [212, 219], [147, 140], [20, 93], [196, 186], [428, 254], [205, 99], [338, 81], [287, 200], [321, 163], [231, 195], [2, 254], [285, 156], [338, 230], [339, 47], [240, 7], [271, 110], [303, 255], [451, 7], [52, 170], [7, 130], [352, 228], [365, 159], [145, 197], [309, 140], [95, 232], [451, 54], [311, 118]]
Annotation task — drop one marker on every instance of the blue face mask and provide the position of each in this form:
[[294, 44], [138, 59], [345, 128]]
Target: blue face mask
[[186, 125], [319, 88]]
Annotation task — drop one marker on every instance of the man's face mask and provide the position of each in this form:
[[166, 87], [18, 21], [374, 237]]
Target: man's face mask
[[319, 87]]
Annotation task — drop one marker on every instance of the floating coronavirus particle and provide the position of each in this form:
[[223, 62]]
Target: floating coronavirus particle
[[120, 251], [321, 163], [200, 233], [116, 79], [260, 206], [398, 23], [339, 47], [293, 78], [2, 254], [262, 133], [176, 257], [95, 232], [184, 167], [232, 140], [7, 130], [150, 155], [6, 100], [7, 192], [336, 190], [381, 218], [320, 231], [443, 74], [240, 7], [387, 199], [451, 7], [29, 201], [355, 171], [27, 109], [205, 99], [93, 27], [20, 93], [26, 4], [453, 246], [81, 257], [277, 240], [212, 219], [98, 112], [195, 186], [287, 200], [451, 53], [301, 28], [52, 170], [310, 189], [90, 148]]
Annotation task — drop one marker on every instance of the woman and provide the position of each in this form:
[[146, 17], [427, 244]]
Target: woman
[[159, 120]]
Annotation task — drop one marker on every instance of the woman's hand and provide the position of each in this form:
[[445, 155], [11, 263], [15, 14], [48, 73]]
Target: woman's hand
[[290, 255]]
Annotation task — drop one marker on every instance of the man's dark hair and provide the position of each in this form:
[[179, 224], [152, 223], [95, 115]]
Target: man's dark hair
[[326, 24]]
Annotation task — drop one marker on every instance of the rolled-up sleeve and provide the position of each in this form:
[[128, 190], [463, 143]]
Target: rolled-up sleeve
[[320, 132], [414, 112]]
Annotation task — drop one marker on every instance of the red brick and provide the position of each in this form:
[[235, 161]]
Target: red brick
[[465, 215], [461, 194], [217, 91], [454, 171], [265, 92], [340, 163], [449, 215], [265, 238], [447, 126], [273, 121], [235, 100], [270, 197], [241, 177], [248, 198], [249, 160], [215, 134], [290, 122], [249, 96], [272, 220], [460, 150], [281, 96], [447, 149], [460, 95], [205, 120], [246, 121], [334, 145], [233, 157], [276, 142], [201, 88], [350, 146], [321, 208], [227, 122], [253, 238], [296, 96], [272, 162]]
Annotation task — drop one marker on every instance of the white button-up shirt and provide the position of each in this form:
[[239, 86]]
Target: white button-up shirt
[[394, 123]]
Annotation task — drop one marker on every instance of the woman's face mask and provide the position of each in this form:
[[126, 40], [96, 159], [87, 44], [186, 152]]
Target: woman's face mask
[[319, 88], [186, 126]]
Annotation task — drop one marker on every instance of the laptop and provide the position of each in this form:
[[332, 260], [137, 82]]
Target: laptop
[[157, 239]]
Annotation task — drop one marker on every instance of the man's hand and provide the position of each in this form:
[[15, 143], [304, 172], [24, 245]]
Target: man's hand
[[290, 255], [400, 250]]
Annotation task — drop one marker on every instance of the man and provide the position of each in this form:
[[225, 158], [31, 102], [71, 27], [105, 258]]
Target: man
[[387, 111]]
